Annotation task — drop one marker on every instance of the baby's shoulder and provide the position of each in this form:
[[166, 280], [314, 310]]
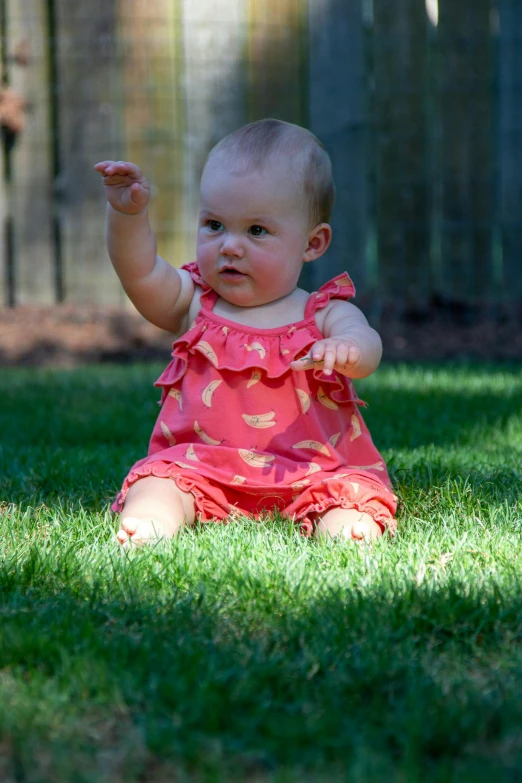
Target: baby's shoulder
[[337, 310], [191, 292]]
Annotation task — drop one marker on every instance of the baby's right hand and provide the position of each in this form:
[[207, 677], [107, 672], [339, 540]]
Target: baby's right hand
[[126, 188]]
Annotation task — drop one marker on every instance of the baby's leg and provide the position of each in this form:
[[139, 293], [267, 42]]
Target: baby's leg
[[347, 523], [154, 508]]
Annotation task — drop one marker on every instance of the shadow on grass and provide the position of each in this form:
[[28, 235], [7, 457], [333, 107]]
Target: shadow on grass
[[423, 684]]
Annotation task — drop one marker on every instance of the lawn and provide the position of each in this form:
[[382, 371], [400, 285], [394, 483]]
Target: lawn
[[245, 652]]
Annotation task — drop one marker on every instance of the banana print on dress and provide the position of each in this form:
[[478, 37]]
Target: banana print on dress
[[255, 460], [208, 351], [300, 484], [356, 427], [325, 400], [191, 454], [176, 395], [260, 421], [312, 444], [168, 434], [204, 437], [208, 391], [378, 466], [254, 378], [304, 399], [256, 347]]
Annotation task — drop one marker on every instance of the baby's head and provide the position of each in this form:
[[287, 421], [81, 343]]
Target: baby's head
[[266, 197], [271, 142]]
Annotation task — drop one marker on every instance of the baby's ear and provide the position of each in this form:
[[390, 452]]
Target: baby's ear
[[319, 240]]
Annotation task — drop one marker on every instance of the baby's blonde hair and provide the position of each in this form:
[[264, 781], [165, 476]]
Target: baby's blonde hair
[[258, 141]]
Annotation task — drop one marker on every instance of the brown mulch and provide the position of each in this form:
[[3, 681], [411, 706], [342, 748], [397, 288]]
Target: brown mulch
[[72, 335]]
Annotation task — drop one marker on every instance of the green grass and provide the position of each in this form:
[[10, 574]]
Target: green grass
[[245, 652]]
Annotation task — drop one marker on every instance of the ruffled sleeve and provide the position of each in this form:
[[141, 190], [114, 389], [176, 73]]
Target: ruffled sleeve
[[341, 287], [208, 297]]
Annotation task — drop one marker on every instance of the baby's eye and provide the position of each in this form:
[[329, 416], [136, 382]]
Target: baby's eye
[[257, 231], [215, 225]]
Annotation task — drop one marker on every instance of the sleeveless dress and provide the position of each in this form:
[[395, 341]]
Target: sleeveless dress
[[245, 434]]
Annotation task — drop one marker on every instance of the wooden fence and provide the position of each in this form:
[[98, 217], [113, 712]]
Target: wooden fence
[[422, 117]]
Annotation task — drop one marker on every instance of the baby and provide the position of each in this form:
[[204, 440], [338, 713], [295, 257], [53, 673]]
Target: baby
[[258, 409]]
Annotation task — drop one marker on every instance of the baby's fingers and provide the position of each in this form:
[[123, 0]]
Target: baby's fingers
[[305, 363], [353, 355], [118, 167]]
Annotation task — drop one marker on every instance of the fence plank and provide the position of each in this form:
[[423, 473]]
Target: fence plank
[[31, 209], [465, 68], [214, 34], [4, 184], [277, 60], [149, 34], [338, 115], [402, 179], [88, 128], [510, 146]]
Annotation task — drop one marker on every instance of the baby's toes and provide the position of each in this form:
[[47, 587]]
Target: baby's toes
[[361, 531], [366, 529], [140, 531]]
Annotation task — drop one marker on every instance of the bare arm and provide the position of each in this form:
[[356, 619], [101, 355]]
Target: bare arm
[[158, 291], [350, 346]]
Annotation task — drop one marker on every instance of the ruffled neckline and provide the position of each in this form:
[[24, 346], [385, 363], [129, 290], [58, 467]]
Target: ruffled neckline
[[228, 345], [305, 323]]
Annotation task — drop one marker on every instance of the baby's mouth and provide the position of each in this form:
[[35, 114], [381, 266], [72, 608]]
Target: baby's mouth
[[229, 271]]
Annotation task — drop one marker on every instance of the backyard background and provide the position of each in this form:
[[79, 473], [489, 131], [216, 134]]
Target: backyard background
[[418, 103], [244, 652]]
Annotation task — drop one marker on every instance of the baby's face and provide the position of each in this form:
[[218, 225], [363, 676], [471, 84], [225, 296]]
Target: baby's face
[[253, 231]]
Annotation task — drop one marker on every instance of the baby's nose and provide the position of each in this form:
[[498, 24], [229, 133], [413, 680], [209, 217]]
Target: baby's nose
[[232, 246]]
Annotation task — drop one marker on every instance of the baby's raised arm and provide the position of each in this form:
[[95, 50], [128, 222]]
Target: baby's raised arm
[[350, 346], [157, 290]]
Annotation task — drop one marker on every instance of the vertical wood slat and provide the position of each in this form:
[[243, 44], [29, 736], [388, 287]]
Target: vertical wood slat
[[401, 151], [87, 124], [277, 60], [4, 198], [337, 114], [510, 145], [465, 103], [31, 165], [214, 43], [152, 111]]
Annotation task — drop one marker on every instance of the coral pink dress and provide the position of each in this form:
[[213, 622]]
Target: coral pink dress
[[245, 434]]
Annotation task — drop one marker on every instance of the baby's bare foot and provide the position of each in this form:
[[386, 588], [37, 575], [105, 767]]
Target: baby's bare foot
[[348, 525], [363, 529], [139, 532]]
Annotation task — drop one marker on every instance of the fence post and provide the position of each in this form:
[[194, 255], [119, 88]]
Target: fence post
[[402, 198], [214, 44], [88, 125], [28, 179], [337, 112], [465, 100], [510, 146]]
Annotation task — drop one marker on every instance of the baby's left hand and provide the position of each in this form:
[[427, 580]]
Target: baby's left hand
[[332, 353]]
